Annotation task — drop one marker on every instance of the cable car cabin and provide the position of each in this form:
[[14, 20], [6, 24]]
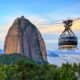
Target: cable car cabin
[[67, 39], [68, 42]]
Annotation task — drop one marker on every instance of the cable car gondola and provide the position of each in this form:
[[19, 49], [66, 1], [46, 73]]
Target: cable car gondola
[[67, 39]]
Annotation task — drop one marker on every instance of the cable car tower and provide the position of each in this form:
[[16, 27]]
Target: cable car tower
[[67, 39]]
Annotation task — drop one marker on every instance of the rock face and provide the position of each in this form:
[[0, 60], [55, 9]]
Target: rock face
[[24, 38]]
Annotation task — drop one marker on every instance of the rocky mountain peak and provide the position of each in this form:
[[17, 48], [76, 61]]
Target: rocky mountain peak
[[24, 38]]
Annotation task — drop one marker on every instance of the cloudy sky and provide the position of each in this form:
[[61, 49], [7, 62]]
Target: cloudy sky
[[38, 12]]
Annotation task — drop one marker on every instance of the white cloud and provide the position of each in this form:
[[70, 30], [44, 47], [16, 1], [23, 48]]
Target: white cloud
[[51, 41]]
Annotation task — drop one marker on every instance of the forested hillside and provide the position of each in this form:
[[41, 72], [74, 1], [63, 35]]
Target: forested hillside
[[19, 67]]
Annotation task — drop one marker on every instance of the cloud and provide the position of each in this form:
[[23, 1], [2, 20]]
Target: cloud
[[55, 29], [76, 25], [51, 41], [49, 29], [6, 28]]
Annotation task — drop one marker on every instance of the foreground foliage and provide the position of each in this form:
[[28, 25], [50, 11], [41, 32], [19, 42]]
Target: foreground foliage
[[24, 69]]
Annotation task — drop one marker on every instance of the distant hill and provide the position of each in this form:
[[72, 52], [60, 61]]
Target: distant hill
[[1, 51], [52, 54]]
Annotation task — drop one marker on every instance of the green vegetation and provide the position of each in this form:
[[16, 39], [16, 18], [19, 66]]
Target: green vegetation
[[23, 69], [6, 59]]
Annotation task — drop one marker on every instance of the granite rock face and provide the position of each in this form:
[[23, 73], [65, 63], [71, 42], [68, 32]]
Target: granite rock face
[[24, 38]]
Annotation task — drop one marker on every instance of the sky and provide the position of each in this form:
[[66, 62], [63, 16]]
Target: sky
[[39, 11]]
